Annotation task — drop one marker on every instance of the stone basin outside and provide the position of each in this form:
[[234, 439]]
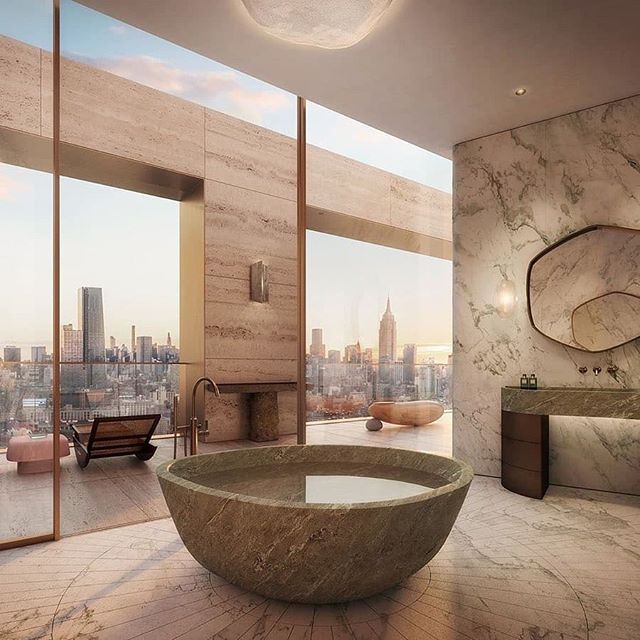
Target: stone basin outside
[[308, 552]]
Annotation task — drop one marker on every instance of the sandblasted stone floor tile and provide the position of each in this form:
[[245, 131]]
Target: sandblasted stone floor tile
[[513, 568]]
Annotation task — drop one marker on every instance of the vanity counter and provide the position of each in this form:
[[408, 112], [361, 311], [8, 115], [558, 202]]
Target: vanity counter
[[525, 427], [573, 401]]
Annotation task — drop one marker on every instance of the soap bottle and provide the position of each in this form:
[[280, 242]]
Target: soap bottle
[[533, 381], [524, 381]]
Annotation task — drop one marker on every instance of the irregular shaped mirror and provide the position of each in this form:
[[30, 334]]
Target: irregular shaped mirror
[[607, 321], [584, 291]]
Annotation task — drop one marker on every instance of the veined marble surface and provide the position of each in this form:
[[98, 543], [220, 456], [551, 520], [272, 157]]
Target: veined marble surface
[[269, 540], [567, 401], [514, 194]]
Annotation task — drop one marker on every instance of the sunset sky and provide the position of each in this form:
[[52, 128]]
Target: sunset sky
[[100, 225]]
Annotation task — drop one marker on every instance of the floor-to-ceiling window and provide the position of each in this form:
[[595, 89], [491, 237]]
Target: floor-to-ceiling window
[[379, 280], [26, 291]]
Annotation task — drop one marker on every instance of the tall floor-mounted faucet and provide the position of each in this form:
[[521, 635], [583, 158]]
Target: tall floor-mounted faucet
[[194, 426]]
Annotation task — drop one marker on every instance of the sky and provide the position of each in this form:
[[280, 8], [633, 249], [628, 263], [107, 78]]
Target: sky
[[133, 258], [141, 221]]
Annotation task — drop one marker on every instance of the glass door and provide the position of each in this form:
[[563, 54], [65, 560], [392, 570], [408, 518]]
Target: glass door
[[378, 287], [27, 235]]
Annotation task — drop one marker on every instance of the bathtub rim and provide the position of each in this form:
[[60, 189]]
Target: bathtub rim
[[463, 480]]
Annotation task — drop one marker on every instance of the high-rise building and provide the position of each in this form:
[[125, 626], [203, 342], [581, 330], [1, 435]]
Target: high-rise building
[[334, 356], [38, 354], [112, 342], [168, 338], [133, 342], [144, 349], [317, 348], [353, 353], [409, 358], [72, 345], [71, 350], [12, 354], [91, 322], [387, 336]]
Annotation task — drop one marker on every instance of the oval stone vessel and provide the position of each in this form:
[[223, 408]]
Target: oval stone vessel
[[415, 412], [314, 523]]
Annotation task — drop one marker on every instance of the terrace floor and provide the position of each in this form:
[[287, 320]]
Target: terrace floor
[[113, 492]]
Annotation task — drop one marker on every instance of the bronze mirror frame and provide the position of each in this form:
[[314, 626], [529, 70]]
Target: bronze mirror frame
[[555, 245]]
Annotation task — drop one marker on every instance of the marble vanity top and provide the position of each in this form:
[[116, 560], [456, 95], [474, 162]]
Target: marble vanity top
[[573, 401]]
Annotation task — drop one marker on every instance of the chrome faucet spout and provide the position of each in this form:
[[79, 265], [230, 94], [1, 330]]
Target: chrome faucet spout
[[194, 427]]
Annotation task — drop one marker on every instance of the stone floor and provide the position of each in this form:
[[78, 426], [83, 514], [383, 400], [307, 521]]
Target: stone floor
[[566, 567], [118, 491]]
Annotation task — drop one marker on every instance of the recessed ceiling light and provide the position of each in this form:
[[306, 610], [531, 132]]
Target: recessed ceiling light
[[330, 24], [520, 92]]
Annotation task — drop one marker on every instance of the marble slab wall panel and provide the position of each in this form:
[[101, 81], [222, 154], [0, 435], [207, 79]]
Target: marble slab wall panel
[[236, 327], [344, 185], [243, 227], [611, 447], [514, 194], [108, 113], [419, 208], [19, 86], [244, 155], [226, 370]]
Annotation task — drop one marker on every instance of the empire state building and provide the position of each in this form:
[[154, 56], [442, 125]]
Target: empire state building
[[387, 336]]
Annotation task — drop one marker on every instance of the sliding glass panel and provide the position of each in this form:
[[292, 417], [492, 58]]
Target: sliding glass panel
[[379, 279], [179, 174], [26, 289]]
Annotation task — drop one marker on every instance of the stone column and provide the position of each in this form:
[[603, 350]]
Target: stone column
[[263, 416]]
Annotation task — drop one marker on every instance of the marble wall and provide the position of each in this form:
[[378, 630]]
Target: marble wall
[[515, 193], [249, 177]]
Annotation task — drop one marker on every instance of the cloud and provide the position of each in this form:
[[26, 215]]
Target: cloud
[[218, 89], [118, 29], [10, 188]]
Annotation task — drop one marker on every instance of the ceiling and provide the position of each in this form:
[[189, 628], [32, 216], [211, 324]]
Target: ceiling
[[433, 72]]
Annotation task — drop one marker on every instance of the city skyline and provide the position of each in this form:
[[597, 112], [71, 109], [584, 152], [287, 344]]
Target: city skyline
[[349, 282]]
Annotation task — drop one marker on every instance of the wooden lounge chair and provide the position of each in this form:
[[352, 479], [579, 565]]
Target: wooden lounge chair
[[108, 437]]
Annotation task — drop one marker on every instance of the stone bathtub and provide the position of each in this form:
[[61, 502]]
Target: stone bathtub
[[314, 523]]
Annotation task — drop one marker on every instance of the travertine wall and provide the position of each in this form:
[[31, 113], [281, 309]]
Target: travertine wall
[[249, 178], [515, 193]]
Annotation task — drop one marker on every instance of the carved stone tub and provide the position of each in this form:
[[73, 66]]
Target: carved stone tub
[[314, 523]]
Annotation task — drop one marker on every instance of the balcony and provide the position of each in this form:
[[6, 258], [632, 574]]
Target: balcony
[[118, 491]]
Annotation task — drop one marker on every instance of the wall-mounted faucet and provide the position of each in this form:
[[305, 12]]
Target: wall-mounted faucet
[[597, 370], [612, 370], [194, 427], [583, 370]]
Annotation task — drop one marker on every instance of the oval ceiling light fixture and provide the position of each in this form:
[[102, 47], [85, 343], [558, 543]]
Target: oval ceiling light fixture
[[329, 24], [520, 91]]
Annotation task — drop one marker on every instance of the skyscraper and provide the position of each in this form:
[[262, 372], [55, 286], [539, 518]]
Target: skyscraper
[[133, 342], [91, 322], [144, 348], [409, 358], [387, 336], [38, 354], [72, 376], [12, 354], [317, 348]]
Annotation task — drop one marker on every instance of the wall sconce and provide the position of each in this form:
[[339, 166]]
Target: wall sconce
[[506, 298], [259, 277]]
